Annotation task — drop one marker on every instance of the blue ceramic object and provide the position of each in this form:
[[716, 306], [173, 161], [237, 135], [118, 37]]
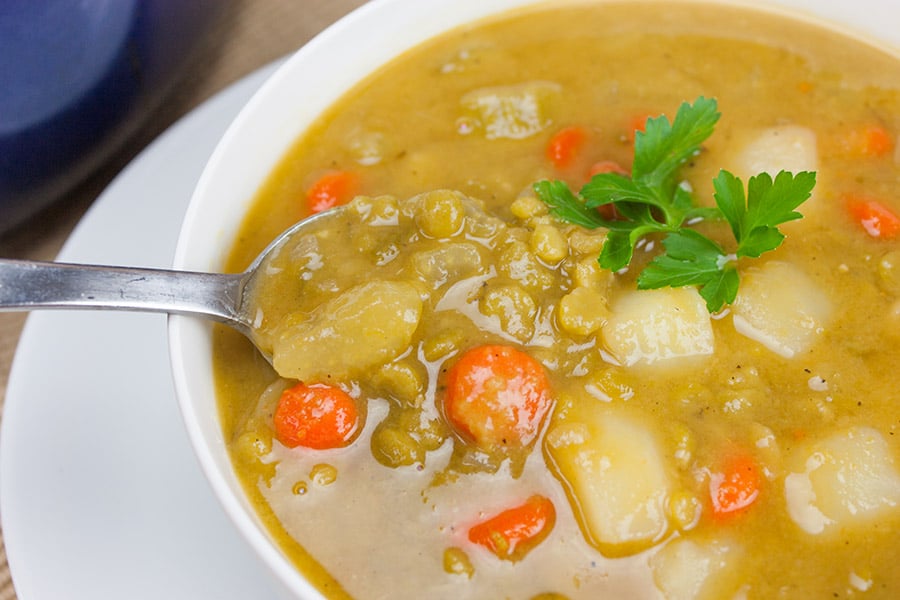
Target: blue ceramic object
[[76, 76]]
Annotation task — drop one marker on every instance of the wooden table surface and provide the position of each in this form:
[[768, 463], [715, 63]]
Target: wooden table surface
[[250, 34]]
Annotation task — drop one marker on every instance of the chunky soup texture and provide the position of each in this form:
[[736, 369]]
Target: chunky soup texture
[[465, 404]]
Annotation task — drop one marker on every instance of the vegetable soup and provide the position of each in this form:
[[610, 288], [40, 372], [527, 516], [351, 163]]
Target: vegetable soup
[[612, 310]]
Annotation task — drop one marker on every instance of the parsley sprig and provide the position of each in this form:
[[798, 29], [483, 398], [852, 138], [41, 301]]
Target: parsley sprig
[[653, 200]]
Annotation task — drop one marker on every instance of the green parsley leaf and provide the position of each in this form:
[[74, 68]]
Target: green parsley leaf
[[653, 201], [721, 289], [617, 251], [612, 188], [566, 206], [662, 148], [691, 258], [659, 151], [769, 203]]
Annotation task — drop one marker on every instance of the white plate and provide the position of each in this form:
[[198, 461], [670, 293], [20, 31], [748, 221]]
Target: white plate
[[100, 494]]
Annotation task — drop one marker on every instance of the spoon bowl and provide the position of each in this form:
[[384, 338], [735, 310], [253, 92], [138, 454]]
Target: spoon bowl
[[223, 297]]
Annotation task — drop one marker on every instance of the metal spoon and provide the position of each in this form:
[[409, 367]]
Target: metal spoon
[[226, 298]]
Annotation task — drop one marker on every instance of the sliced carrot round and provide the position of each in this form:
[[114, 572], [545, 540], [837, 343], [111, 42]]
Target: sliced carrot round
[[315, 416], [497, 396]]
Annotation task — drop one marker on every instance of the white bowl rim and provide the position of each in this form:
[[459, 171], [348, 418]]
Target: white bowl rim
[[401, 24]]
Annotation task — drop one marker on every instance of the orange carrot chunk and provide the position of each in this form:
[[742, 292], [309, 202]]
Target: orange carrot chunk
[[315, 416], [496, 397], [331, 189], [565, 146], [513, 533], [878, 220], [868, 141], [876, 141], [734, 487]]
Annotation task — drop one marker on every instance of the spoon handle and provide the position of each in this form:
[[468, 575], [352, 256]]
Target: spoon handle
[[30, 285]]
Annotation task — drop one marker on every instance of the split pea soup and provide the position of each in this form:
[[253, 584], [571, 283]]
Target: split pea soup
[[465, 403]]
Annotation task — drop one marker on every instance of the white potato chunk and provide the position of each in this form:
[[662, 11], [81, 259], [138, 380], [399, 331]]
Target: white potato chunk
[[780, 307], [611, 464], [847, 479], [361, 328], [512, 111], [654, 326], [689, 570], [790, 148], [784, 148]]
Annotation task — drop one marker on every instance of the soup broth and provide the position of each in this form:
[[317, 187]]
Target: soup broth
[[749, 453]]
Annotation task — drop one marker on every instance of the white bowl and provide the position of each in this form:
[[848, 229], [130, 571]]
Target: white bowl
[[310, 81]]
